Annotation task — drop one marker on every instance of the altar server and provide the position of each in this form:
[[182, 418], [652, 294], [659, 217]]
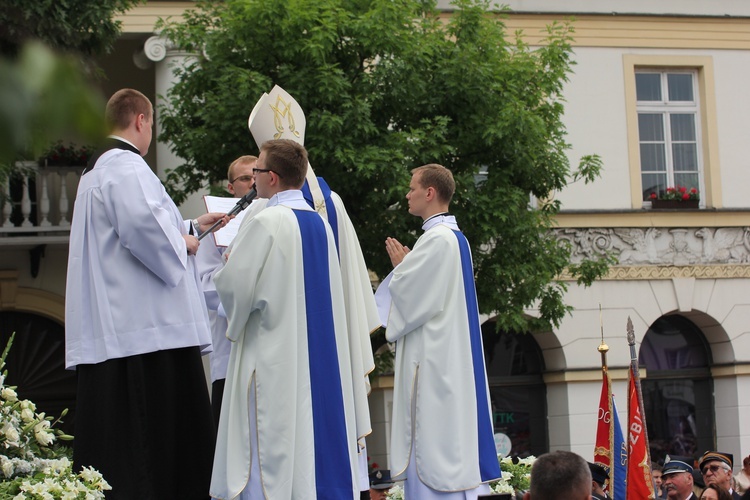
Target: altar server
[[287, 428], [442, 435], [136, 323], [210, 259]]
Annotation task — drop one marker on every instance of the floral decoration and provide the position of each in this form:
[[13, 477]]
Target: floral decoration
[[70, 155], [395, 493], [677, 193], [516, 475], [33, 463]]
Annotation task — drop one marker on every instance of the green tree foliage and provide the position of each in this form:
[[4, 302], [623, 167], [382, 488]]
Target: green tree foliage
[[46, 49], [83, 27], [386, 86]]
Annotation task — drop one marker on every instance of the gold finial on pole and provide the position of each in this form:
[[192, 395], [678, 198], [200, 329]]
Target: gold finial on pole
[[603, 348]]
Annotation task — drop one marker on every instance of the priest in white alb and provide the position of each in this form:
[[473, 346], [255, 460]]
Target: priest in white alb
[[442, 432], [287, 428]]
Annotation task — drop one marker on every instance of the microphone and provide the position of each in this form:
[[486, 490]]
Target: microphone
[[241, 205]]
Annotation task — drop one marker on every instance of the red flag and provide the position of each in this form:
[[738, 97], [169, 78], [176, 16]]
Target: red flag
[[640, 485], [605, 429]]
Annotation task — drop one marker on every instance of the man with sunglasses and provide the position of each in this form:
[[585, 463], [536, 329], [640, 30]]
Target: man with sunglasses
[[716, 467], [209, 261]]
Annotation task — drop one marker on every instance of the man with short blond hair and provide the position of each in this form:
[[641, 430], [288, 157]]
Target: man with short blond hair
[[439, 365], [287, 425], [209, 259], [135, 322]]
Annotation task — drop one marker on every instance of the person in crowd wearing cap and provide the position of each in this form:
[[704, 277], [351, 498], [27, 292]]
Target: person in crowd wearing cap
[[380, 483], [742, 480], [715, 492], [559, 474], [599, 476], [209, 260], [658, 484], [716, 467], [287, 425], [677, 475], [441, 407]]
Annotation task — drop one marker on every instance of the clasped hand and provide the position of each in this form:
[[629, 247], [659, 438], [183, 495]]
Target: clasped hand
[[396, 251]]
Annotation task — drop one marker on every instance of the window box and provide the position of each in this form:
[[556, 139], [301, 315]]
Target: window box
[[674, 204]]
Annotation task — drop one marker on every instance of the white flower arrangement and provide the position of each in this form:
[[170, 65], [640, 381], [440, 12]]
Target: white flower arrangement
[[515, 475], [396, 493], [33, 464]]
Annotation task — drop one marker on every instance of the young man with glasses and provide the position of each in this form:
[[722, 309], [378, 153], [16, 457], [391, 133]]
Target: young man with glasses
[[716, 467], [209, 260], [287, 419]]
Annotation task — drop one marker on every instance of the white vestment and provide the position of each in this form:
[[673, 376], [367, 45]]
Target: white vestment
[[271, 292], [209, 261], [131, 286], [361, 311], [441, 396]]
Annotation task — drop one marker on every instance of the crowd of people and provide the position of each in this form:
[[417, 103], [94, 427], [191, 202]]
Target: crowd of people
[[285, 314], [709, 477]]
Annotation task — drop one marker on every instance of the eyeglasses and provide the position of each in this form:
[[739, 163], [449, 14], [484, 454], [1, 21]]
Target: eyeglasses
[[713, 468], [256, 170], [242, 178]]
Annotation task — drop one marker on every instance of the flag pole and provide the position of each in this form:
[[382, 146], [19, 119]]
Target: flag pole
[[637, 376], [603, 348], [609, 452], [639, 479]]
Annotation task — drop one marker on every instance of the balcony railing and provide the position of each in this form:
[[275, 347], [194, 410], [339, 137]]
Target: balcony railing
[[36, 206]]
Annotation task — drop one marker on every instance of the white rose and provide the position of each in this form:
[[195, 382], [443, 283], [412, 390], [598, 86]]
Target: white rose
[[9, 394], [11, 434], [7, 467], [27, 415]]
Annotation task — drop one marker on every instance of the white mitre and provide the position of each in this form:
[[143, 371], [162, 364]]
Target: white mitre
[[277, 115]]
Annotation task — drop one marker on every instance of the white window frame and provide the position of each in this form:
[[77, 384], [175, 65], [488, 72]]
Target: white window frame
[[709, 140], [665, 107]]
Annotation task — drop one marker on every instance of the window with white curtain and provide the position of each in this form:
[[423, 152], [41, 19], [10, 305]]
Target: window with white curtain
[[668, 130]]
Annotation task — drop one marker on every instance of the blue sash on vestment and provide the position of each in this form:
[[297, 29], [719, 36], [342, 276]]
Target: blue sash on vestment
[[330, 208], [333, 476], [488, 464]]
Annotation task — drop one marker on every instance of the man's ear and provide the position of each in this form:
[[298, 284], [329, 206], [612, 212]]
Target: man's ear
[[140, 120], [230, 188], [430, 194]]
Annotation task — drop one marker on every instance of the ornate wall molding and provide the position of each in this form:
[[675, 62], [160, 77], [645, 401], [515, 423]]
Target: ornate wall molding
[[663, 252]]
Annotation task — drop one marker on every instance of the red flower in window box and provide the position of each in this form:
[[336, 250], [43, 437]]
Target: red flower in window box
[[675, 197]]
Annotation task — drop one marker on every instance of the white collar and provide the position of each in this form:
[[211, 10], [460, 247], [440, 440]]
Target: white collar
[[291, 198], [445, 219], [122, 139]]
